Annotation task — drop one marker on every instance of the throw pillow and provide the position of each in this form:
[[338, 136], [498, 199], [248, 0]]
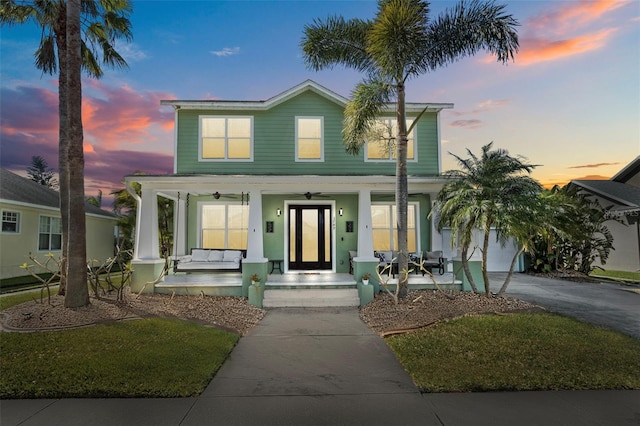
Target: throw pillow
[[199, 255], [232, 256], [216, 256]]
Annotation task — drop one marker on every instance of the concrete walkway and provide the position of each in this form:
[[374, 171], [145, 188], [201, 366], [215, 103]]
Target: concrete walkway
[[325, 367]]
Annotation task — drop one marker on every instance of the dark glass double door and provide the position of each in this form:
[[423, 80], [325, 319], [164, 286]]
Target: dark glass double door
[[310, 237]]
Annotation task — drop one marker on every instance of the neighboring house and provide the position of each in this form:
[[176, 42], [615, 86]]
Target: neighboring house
[[31, 224], [622, 193], [273, 178]]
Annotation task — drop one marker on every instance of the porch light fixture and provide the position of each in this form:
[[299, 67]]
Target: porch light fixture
[[278, 212], [340, 211]]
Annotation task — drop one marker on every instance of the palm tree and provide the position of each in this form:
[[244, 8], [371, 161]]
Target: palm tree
[[102, 23], [574, 234], [399, 44], [490, 191]]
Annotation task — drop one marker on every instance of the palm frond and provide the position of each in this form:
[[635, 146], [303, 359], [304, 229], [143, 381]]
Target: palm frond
[[360, 114], [465, 30], [336, 41]]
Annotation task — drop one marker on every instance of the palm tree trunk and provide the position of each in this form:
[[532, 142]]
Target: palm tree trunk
[[402, 193], [63, 144], [465, 267], [507, 280], [77, 290], [485, 252]]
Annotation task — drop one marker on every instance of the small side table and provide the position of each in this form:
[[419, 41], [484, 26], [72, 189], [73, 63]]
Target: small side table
[[276, 263]]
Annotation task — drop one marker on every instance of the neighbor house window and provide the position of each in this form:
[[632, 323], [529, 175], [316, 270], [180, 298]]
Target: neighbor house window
[[50, 236], [226, 138], [381, 142], [10, 222], [309, 139], [224, 226], [385, 233]]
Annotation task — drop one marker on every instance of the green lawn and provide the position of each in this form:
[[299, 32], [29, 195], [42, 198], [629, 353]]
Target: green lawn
[[633, 277], [518, 352], [142, 358]]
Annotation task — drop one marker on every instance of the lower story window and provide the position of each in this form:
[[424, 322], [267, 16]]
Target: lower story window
[[224, 226], [10, 222], [50, 236], [385, 233]]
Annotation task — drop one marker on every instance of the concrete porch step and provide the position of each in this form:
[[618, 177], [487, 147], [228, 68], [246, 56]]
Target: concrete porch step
[[307, 298]]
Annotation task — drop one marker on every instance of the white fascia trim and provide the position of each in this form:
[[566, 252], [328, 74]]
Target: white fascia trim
[[52, 209], [288, 94], [269, 184]]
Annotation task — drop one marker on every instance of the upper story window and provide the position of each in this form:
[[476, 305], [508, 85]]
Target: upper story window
[[226, 138], [50, 235], [10, 222], [381, 144], [309, 139]]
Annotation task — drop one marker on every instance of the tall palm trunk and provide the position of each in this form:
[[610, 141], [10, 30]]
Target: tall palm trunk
[[77, 290], [402, 192], [485, 254], [60, 30]]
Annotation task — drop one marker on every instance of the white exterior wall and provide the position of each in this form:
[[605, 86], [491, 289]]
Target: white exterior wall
[[626, 241], [498, 259]]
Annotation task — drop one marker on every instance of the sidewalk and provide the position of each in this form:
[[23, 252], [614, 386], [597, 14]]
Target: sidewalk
[[325, 367]]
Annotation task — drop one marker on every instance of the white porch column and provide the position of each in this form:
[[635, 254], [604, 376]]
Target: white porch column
[[255, 245], [365, 229], [147, 246], [180, 228], [436, 237]]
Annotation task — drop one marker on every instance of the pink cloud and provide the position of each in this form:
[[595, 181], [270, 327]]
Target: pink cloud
[[467, 124], [120, 115], [570, 29], [112, 118], [535, 50], [573, 14]]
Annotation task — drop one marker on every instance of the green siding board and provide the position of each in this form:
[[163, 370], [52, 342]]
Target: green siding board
[[274, 143]]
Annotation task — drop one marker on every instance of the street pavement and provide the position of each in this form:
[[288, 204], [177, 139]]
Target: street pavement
[[324, 366]]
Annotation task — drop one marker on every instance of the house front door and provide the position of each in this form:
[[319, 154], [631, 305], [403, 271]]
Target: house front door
[[309, 237]]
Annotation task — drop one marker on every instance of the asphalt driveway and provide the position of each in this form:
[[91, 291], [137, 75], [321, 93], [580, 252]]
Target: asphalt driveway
[[608, 305]]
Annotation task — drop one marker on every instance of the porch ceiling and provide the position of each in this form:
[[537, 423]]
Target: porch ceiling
[[269, 184]]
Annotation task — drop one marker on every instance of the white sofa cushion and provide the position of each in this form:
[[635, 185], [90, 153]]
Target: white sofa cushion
[[232, 256], [200, 255], [215, 256]]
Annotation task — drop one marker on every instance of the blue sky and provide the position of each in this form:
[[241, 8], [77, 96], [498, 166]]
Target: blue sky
[[570, 102]]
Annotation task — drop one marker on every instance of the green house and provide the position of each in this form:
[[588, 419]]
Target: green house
[[272, 178]]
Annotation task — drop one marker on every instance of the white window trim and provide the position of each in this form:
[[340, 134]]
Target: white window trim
[[218, 160], [391, 159], [310, 160], [416, 205], [49, 250], [19, 222], [201, 204]]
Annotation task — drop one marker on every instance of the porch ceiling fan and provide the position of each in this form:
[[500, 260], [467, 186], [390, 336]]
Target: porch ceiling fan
[[309, 195], [244, 196]]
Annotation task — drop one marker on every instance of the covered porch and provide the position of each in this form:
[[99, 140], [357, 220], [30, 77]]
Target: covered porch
[[268, 216]]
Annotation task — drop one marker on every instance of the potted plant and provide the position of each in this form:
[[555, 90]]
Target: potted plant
[[365, 278], [255, 279]]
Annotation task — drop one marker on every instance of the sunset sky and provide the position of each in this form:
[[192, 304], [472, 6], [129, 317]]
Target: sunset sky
[[570, 102]]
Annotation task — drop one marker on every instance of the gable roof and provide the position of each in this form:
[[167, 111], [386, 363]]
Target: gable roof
[[308, 85], [629, 171], [617, 192], [19, 189]]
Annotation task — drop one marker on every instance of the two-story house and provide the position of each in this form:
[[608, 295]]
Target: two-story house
[[273, 178]]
